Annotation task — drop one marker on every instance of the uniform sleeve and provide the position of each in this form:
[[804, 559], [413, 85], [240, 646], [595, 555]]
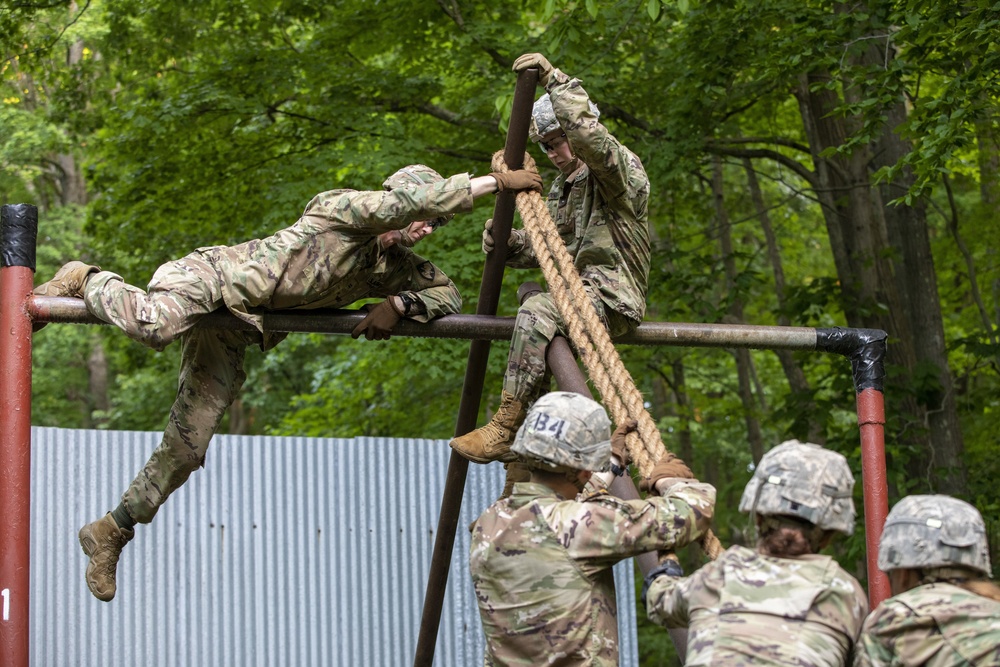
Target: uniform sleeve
[[426, 291], [375, 212], [520, 254], [603, 529], [877, 645], [667, 601], [618, 172]]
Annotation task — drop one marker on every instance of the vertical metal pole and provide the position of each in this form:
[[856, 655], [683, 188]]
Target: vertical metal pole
[[475, 372], [18, 230], [871, 419]]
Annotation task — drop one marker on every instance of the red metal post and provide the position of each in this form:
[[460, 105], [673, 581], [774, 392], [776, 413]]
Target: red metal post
[[19, 226], [871, 419]]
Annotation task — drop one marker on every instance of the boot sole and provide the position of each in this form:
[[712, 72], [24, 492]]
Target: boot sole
[[505, 458]]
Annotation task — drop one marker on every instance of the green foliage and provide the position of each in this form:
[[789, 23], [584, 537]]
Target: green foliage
[[214, 122]]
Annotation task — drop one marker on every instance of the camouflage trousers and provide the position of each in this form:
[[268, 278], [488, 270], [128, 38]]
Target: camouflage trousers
[[211, 372], [538, 322]]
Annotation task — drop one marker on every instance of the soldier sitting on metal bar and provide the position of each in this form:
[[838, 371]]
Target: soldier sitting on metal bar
[[599, 204], [347, 245]]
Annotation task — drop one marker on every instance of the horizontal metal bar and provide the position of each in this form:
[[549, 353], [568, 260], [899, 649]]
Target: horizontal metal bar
[[465, 327]]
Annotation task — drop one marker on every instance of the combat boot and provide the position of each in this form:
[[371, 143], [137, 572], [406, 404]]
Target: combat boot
[[492, 442], [68, 281], [103, 542]]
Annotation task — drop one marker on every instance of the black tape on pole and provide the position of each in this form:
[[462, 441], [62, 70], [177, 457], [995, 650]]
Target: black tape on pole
[[864, 347], [18, 233]]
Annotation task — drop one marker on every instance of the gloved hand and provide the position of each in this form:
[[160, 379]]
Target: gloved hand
[[670, 567], [618, 447], [379, 321], [667, 467], [488, 242], [535, 60], [518, 179]]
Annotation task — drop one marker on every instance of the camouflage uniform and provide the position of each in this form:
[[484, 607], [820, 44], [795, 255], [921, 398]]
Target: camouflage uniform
[[938, 625], [329, 258], [541, 567], [602, 218], [746, 608]]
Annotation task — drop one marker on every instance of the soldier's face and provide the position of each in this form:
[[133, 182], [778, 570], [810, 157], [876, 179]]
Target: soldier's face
[[558, 150]]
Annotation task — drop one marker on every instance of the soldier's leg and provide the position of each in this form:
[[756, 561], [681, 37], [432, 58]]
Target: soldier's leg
[[179, 293], [210, 378]]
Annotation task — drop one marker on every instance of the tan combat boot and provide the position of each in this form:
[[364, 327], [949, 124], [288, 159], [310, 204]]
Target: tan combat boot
[[68, 281], [492, 442], [103, 542]]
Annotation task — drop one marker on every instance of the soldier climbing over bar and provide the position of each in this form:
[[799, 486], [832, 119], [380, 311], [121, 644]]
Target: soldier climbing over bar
[[347, 245], [598, 202]]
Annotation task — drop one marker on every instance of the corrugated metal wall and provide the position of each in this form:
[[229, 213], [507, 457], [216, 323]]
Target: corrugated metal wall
[[282, 551]]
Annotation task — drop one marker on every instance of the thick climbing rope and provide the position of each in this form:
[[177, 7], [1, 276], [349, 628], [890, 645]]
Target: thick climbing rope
[[589, 336]]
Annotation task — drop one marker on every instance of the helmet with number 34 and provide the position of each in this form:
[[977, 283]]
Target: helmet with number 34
[[565, 431]]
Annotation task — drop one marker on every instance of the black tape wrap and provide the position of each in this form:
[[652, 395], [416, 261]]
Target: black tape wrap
[[864, 347], [18, 232]]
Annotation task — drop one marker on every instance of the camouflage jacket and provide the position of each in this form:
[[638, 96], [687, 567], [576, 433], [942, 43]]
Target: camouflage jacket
[[602, 214], [939, 625], [541, 567], [749, 609], [331, 256]]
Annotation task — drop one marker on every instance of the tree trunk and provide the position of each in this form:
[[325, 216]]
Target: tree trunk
[[797, 382], [744, 362], [916, 281]]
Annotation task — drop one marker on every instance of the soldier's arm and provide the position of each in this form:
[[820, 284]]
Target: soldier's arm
[[604, 529], [618, 172], [375, 212], [877, 645], [425, 290], [520, 254], [667, 601]]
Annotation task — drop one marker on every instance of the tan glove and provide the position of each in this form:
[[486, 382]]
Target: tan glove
[[518, 179], [379, 321], [618, 447], [667, 467], [535, 60]]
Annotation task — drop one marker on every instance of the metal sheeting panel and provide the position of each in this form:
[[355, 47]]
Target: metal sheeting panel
[[282, 551]]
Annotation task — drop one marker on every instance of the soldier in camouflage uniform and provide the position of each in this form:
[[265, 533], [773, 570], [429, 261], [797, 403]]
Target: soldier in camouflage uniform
[[783, 603], [541, 559], [599, 204], [348, 245], [944, 612]]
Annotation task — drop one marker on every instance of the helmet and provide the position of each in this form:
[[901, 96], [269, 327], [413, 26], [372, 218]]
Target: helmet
[[934, 531], [565, 430], [543, 117], [412, 175], [415, 175], [803, 480]]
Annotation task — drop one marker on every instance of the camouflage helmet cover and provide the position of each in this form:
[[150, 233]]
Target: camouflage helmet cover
[[803, 480], [543, 118], [934, 531], [415, 175], [566, 430]]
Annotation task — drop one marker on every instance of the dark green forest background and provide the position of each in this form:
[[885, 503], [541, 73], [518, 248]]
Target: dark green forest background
[[812, 164]]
